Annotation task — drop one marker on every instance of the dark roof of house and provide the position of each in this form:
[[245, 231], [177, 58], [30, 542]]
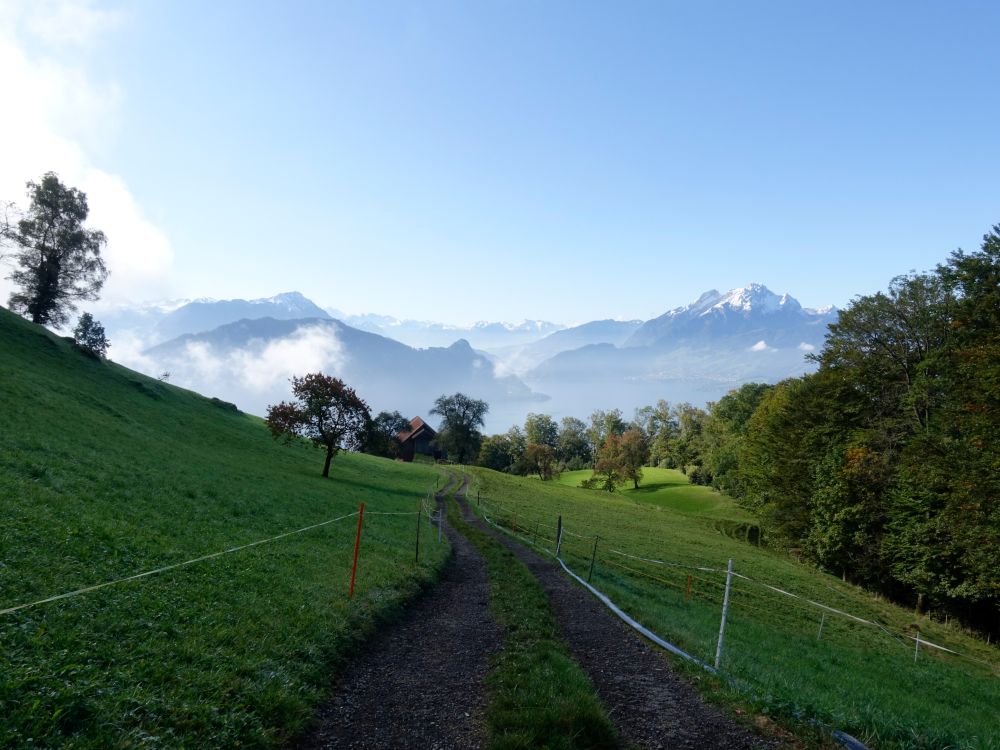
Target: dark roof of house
[[418, 427]]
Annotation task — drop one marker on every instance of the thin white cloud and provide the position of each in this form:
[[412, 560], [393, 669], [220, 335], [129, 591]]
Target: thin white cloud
[[58, 107], [760, 346], [308, 349], [806, 347], [62, 23], [252, 376]]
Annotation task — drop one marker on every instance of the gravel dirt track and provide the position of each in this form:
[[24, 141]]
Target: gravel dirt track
[[651, 706], [420, 681], [419, 684]]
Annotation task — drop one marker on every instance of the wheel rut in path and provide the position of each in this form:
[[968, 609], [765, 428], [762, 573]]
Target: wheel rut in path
[[651, 706], [419, 682]]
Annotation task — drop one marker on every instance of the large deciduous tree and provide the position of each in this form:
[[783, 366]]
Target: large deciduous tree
[[461, 418], [503, 452], [58, 262], [883, 465], [602, 424], [380, 436], [724, 431], [541, 460], [574, 446], [325, 411], [634, 452], [541, 429], [660, 425], [609, 465], [495, 453]]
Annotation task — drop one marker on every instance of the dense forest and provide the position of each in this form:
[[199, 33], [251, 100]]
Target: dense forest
[[882, 466]]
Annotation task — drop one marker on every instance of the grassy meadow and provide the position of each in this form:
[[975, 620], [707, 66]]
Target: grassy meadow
[[669, 488], [105, 473], [851, 676]]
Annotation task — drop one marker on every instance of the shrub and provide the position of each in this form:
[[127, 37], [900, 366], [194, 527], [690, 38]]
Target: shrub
[[89, 336]]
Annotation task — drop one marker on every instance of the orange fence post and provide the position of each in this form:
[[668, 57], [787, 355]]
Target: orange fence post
[[357, 546]]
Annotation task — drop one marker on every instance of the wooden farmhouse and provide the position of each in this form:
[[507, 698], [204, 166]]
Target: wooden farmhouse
[[417, 440]]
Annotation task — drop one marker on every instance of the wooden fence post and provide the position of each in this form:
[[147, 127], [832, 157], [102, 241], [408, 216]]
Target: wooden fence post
[[593, 557], [357, 546], [420, 512]]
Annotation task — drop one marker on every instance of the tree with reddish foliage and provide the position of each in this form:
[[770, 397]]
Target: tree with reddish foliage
[[325, 411]]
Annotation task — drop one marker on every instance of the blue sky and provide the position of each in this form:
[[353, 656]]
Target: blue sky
[[465, 161]]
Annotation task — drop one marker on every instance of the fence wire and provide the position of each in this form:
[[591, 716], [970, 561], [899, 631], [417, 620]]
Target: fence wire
[[767, 591], [174, 566]]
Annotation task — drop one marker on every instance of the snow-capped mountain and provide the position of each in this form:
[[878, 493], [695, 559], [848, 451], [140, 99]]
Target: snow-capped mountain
[[696, 353], [753, 309]]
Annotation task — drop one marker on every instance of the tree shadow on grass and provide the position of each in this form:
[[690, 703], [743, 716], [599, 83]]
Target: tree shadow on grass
[[652, 487], [373, 487]]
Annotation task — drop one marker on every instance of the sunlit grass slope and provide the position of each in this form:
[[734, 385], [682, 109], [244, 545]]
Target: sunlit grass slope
[[105, 473], [855, 677], [669, 488]]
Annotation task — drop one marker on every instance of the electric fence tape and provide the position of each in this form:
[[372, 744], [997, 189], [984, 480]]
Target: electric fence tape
[[892, 634], [174, 566]]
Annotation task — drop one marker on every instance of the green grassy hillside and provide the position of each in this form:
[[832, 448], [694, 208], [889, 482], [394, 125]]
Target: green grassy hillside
[[669, 488], [105, 473], [855, 677]]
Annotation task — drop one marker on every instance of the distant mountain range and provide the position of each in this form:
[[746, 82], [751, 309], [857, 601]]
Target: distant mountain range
[[522, 359], [245, 350], [158, 322], [205, 315], [693, 353], [162, 321], [753, 310], [253, 359], [421, 333]]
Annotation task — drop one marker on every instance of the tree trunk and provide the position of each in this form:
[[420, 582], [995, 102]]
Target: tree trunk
[[920, 605], [326, 464]]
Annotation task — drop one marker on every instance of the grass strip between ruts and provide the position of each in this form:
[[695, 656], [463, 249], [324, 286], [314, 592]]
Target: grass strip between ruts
[[539, 696]]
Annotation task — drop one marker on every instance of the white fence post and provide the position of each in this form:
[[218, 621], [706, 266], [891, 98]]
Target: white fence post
[[725, 612]]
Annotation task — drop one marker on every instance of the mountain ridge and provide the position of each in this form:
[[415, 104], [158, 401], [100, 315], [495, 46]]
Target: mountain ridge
[[694, 352], [252, 360]]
